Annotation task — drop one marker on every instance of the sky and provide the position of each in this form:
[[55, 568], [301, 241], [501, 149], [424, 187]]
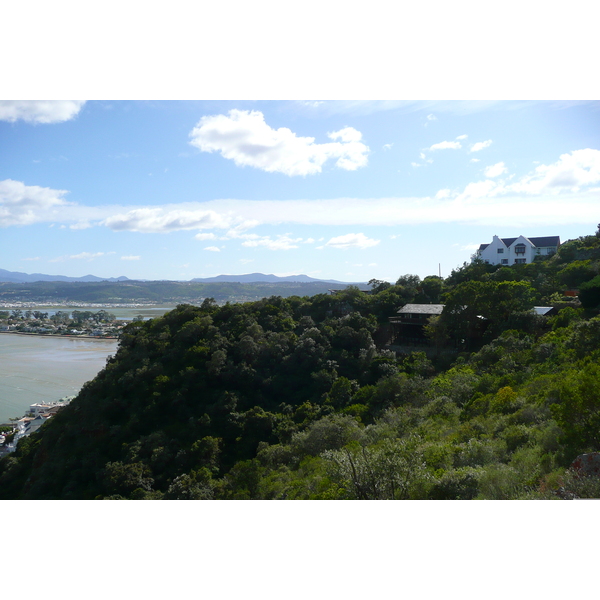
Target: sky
[[345, 190]]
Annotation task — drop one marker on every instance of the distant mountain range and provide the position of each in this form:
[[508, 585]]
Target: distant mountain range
[[262, 278], [17, 277]]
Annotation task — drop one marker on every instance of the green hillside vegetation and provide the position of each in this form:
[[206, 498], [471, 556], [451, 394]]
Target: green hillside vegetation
[[302, 398]]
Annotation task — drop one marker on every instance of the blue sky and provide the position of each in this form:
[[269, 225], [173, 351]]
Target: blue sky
[[332, 189]]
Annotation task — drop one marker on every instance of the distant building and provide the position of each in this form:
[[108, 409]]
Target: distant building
[[408, 325], [519, 250]]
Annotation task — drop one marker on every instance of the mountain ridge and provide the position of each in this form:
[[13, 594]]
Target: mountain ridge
[[19, 277]]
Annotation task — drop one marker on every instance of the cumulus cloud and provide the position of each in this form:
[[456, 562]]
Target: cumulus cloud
[[446, 146], [22, 204], [39, 111], [159, 220], [205, 236], [495, 170], [212, 249], [480, 146], [462, 137], [352, 240], [565, 191], [244, 137], [480, 189], [81, 225], [130, 257], [571, 172]]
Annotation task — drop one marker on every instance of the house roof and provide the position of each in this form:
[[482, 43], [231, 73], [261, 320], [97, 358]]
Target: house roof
[[538, 242], [423, 309]]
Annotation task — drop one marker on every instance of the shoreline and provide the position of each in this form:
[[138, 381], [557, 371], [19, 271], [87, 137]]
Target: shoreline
[[61, 335]]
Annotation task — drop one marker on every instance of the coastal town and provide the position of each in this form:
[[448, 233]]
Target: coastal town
[[82, 323], [36, 416]]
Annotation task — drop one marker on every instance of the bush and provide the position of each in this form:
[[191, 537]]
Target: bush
[[457, 484]]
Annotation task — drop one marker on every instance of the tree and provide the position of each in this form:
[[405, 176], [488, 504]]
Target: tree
[[589, 293], [578, 410], [378, 285], [474, 305], [432, 287], [389, 470]]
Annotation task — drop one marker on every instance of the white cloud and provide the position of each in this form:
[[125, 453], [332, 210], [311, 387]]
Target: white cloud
[[431, 117], [352, 240], [571, 172], [282, 242], [480, 146], [446, 146], [39, 111], [159, 220], [213, 249], [475, 160], [462, 137], [131, 258], [244, 137], [81, 225], [495, 170], [480, 189], [387, 146], [205, 236], [558, 193], [89, 256], [22, 204]]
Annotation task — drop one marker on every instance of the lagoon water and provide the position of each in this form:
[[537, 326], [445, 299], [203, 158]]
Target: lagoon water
[[46, 368]]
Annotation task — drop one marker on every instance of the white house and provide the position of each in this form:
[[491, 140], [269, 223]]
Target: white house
[[519, 250]]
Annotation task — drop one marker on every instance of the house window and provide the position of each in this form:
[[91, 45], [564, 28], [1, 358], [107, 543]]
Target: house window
[[500, 250], [520, 261], [504, 261], [520, 249]]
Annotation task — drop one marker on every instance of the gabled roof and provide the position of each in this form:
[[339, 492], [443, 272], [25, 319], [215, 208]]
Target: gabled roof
[[423, 309], [538, 242]]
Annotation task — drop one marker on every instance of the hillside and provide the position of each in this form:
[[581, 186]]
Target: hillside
[[301, 398], [157, 291]]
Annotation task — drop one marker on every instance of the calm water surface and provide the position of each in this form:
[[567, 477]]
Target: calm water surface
[[40, 369]]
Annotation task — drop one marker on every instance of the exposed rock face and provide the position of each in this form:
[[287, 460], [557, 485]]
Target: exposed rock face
[[587, 464]]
